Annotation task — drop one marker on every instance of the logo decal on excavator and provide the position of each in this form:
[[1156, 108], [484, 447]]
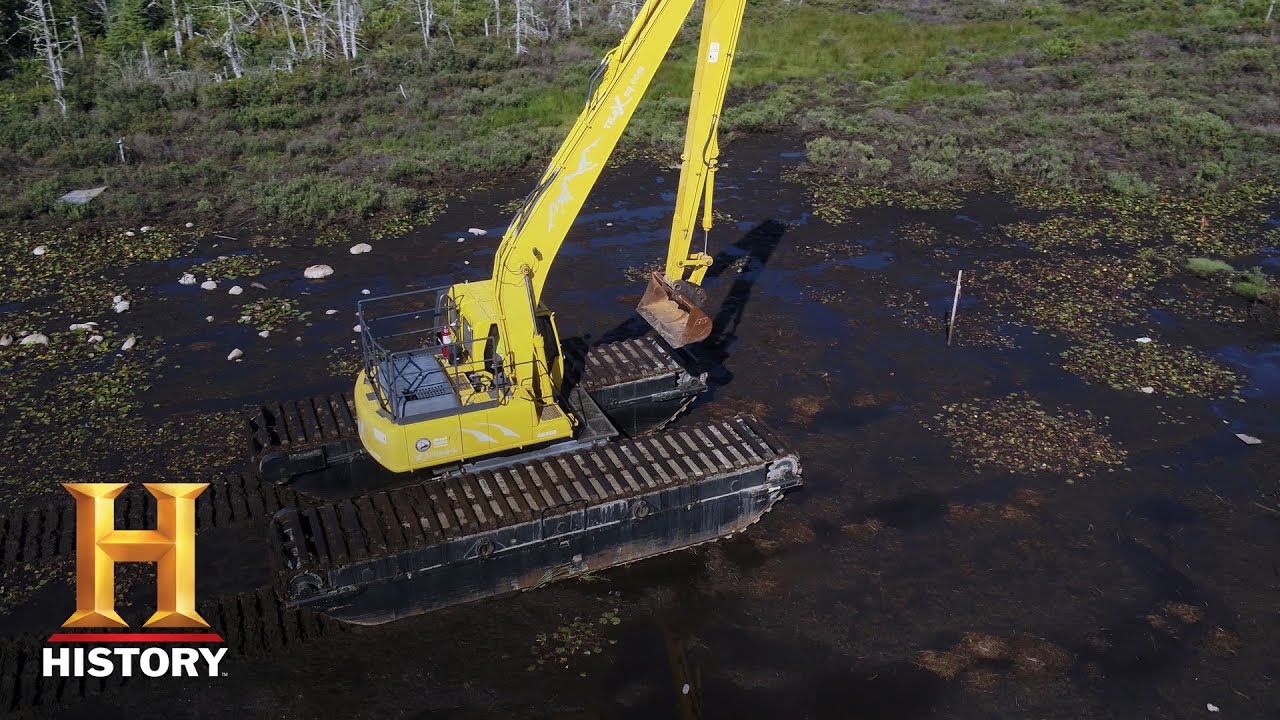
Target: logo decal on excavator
[[623, 101], [480, 436], [585, 165]]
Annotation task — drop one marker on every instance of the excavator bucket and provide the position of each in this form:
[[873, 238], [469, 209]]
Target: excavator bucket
[[675, 315]]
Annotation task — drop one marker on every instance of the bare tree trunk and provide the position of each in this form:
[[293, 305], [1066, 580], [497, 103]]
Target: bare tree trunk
[[425, 16], [1270, 10], [186, 21], [568, 15], [355, 14], [229, 44], [302, 24], [288, 31], [75, 28], [41, 29], [497, 17], [519, 26], [147, 70], [177, 27], [486, 26]]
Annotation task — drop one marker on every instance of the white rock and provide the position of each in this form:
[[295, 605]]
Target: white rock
[[299, 338], [357, 328], [34, 339], [120, 306], [190, 225], [187, 279], [685, 690], [208, 285], [40, 250], [462, 239], [83, 326], [264, 333], [145, 228], [364, 292], [235, 354], [129, 233], [477, 232], [330, 312], [1248, 439], [1144, 340], [258, 285], [315, 272], [222, 257], [129, 343], [235, 290], [466, 262], [95, 339], [6, 340], [1211, 707], [208, 318], [361, 248], [608, 224], [1148, 389], [117, 298]]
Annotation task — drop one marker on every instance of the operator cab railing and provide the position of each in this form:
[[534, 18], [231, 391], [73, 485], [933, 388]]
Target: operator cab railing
[[422, 357]]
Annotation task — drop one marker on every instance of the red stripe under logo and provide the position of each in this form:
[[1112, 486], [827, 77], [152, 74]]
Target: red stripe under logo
[[134, 637]]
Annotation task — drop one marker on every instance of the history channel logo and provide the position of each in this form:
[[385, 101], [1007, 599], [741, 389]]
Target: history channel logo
[[99, 546]]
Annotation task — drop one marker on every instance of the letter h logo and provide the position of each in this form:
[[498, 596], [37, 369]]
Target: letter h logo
[[172, 546]]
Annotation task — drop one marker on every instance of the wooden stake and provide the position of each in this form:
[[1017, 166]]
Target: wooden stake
[[955, 305]]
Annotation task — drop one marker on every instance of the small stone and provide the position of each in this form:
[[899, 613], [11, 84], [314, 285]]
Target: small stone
[[95, 339], [235, 354], [235, 290], [129, 233], [6, 340], [145, 228], [187, 279], [364, 292], [685, 690], [361, 248], [190, 225], [120, 306], [466, 262], [1248, 439], [83, 326], [478, 232], [357, 328], [264, 333], [117, 298], [1148, 389], [315, 272], [608, 224], [1144, 340], [40, 250], [299, 338], [258, 285], [1211, 707], [208, 318], [330, 312], [208, 285], [462, 239], [34, 339], [129, 343]]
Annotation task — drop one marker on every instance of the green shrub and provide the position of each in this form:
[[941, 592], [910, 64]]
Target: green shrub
[[1129, 184], [314, 199], [1204, 267]]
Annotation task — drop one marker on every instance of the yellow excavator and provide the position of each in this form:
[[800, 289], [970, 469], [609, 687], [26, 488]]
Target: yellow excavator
[[511, 459]]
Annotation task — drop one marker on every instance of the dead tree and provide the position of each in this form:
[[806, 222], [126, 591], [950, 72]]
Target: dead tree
[[75, 29], [229, 42], [177, 27], [40, 25], [425, 16]]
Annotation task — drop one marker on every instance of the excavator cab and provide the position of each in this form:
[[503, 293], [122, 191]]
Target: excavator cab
[[674, 310]]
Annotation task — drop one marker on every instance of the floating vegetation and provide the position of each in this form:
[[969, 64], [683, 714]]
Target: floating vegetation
[[1017, 435], [271, 313], [331, 236], [1058, 233], [231, 267], [393, 226], [575, 644], [434, 203], [20, 581], [833, 197], [973, 329], [1133, 366], [71, 265], [344, 362], [985, 658], [805, 408], [1077, 298]]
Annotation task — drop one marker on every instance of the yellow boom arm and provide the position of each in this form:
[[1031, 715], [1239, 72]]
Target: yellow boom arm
[[531, 242]]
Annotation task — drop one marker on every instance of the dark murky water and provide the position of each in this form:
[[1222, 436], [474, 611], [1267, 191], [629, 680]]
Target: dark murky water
[[823, 608]]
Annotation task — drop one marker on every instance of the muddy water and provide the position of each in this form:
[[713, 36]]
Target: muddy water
[[892, 549]]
